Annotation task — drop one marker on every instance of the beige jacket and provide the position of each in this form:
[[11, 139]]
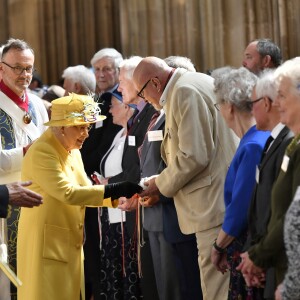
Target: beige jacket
[[197, 148]]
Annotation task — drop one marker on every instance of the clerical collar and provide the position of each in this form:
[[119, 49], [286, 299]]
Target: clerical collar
[[22, 102]]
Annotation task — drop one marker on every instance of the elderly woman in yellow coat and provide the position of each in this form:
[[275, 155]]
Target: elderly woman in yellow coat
[[50, 237]]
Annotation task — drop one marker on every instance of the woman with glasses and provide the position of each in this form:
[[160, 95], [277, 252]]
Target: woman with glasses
[[50, 237], [118, 265], [279, 247], [233, 88]]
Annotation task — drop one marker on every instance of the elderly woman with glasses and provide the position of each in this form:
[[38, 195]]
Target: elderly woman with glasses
[[233, 88], [279, 247], [50, 237]]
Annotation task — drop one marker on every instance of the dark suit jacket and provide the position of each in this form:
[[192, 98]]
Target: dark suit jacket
[[100, 139], [260, 207], [130, 160], [4, 197]]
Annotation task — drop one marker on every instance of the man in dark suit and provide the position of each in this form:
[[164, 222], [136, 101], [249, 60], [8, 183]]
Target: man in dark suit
[[267, 118]]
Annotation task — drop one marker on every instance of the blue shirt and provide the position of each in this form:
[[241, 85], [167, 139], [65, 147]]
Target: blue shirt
[[240, 180]]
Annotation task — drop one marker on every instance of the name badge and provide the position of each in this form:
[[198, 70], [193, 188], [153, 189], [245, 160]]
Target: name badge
[[116, 215], [131, 140], [99, 124], [257, 174], [297, 195], [285, 163], [155, 135]]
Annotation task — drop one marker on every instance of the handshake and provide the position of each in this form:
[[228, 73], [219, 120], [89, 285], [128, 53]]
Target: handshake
[[121, 189]]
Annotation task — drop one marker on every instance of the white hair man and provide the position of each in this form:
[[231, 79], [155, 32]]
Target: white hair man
[[105, 64], [79, 79]]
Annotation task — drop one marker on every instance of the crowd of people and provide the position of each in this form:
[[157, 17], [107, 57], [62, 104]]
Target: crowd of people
[[141, 178]]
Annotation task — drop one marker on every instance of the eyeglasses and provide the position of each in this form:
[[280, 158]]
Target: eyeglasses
[[217, 106], [19, 70], [141, 92], [254, 101]]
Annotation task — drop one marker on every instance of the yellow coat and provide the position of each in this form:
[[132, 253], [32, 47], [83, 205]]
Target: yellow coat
[[50, 237]]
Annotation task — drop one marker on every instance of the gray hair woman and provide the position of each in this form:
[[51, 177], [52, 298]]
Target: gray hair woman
[[233, 88], [283, 250]]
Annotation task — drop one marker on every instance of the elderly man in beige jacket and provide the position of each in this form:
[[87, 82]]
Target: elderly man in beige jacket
[[197, 149]]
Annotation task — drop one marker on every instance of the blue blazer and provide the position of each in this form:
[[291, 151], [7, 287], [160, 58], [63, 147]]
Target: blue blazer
[[240, 180]]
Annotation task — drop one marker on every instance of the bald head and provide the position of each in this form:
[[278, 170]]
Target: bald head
[[155, 71]]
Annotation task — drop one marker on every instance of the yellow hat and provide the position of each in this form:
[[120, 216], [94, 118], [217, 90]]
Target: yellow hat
[[74, 110]]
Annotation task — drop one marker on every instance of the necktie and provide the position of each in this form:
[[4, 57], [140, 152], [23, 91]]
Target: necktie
[[132, 119], [150, 126], [267, 146]]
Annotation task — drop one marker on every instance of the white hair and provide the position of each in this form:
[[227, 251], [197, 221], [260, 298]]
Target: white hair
[[82, 75], [265, 85], [290, 69], [109, 53], [128, 65], [176, 61], [234, 86]]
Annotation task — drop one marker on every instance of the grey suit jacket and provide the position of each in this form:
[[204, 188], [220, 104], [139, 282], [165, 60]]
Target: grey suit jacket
[[149, 162]]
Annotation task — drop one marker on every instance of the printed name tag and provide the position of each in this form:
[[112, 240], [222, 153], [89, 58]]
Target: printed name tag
[[116, 215], [99, 124], [257, 174], [285, 163], [155, 135], [131, 140]]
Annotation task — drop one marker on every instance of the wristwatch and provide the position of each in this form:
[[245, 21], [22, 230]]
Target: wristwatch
[[219, 249]]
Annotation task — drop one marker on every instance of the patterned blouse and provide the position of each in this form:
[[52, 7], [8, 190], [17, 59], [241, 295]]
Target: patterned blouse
[[291, 283]]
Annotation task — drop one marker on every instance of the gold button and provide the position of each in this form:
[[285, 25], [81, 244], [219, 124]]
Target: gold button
[[78, 246], [82, 207], [80, 226]]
